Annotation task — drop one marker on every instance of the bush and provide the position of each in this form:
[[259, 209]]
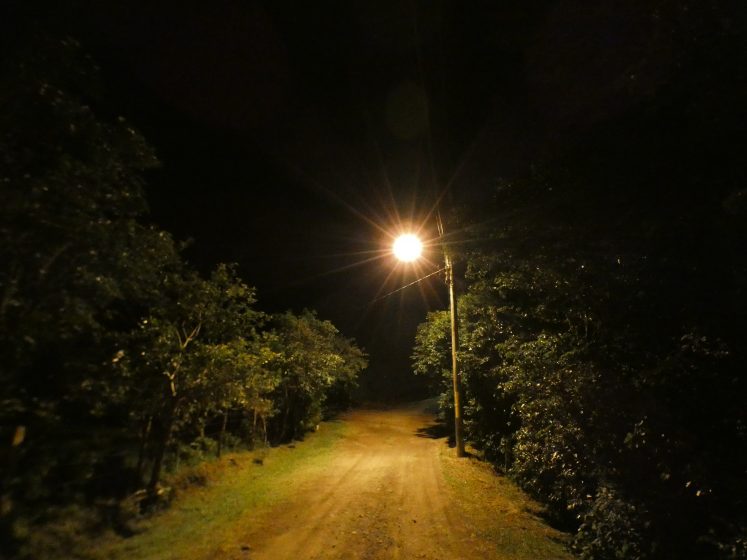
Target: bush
[[612, 529]]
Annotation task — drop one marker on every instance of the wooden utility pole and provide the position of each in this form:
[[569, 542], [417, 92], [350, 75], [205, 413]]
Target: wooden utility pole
[[456, 378]]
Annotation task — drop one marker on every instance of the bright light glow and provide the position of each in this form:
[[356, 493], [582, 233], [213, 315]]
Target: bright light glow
[[407, 247]]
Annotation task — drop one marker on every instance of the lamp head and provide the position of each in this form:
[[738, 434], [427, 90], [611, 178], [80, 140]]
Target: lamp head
[[407, 247]]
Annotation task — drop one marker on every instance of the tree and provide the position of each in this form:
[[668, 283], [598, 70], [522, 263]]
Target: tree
[[314, 358], [79, 267], [190, 356], [112, 350], [602, 329]]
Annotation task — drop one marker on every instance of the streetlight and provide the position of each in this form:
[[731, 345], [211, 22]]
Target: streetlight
[[408, 248]]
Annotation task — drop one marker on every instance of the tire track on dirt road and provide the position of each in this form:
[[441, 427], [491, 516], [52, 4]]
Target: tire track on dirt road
[[383, 496]]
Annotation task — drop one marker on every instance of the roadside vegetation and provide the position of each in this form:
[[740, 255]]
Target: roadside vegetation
[[211, 517], [603, 317], [120, 362], [499, 512]]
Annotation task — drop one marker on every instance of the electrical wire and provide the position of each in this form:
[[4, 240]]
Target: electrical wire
[[406, 285]]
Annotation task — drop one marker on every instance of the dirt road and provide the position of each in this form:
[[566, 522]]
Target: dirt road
[[395, 491]]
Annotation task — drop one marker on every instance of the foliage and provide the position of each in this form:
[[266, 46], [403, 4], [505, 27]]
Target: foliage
[[79, 267], [612, 426], [602, 331], [314, 360], [117, 360], [612, 528]]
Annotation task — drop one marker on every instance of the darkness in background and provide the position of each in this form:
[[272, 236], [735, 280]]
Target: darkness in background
[[287, 129]]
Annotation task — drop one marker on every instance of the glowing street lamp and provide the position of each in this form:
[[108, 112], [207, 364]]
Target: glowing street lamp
[[408, 248]]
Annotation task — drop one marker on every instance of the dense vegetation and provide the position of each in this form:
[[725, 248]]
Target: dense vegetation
[[117, 359], [603, 322]]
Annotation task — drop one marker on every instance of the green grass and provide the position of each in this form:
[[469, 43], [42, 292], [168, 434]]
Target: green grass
[[506, 516], [220, 512], [212, 521]]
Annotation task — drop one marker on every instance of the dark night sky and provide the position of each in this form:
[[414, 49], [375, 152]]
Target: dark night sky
[[291, 134]]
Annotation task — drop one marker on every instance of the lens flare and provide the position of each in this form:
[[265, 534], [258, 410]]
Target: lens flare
[[407, 247]]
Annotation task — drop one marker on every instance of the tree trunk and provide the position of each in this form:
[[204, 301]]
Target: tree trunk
[[19, 435], [10, 289], [7, 513], [161, 444], [286, 412], [222, 432], [144, 435]]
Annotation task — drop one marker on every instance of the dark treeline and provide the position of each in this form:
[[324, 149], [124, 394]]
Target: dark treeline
[[604, 318], [117, 360]]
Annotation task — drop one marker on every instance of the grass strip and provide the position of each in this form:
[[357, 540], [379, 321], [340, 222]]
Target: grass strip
[[202, 521], [505, 515]]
